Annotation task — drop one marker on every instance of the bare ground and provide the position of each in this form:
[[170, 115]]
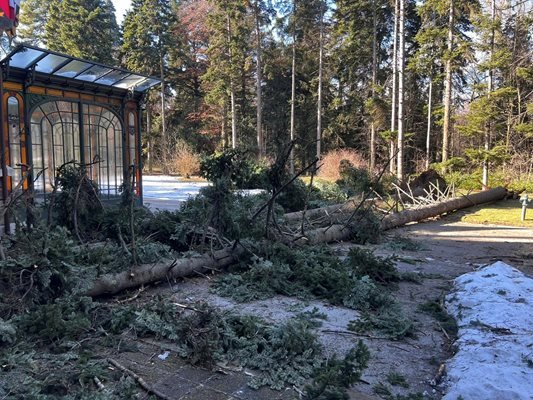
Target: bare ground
[[447, 250]]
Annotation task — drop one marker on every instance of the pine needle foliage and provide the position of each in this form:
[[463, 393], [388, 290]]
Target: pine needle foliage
[[63, 374], [357, 282], [335, 376], [437, 310], [75, 201], [284, 355], [390, 320], [380, 270], [46, 264], [308, 273]]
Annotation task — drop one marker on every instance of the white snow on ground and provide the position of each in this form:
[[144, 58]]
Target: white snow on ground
[[166, 192], [164, 187], [494, 310]]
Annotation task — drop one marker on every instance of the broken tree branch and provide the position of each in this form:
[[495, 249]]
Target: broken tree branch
[[143, 274], [146, 273]]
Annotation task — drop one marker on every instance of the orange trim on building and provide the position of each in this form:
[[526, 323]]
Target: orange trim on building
[[12, 86]]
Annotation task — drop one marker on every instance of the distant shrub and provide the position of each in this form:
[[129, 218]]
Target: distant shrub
[[293, 196], [357, 180], [235, 165], [331, 162], [184, 161], [326, 192]]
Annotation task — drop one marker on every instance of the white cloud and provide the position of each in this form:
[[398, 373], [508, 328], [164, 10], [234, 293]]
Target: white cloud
[[121, 6]]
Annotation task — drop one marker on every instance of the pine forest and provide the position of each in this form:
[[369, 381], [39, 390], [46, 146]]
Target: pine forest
[[441, 83]]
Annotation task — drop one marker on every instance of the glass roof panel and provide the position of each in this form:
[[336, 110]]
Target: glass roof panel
[[129, 81], [49, 63], [73, 68], [62, 65], [112, 77], [147, 84], [23, 59], [93, 73]]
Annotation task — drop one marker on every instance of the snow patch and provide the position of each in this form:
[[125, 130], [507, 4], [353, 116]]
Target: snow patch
[[165, 187], [494, 311]]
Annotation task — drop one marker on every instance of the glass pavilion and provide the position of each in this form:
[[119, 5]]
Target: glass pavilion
[[57, 109]]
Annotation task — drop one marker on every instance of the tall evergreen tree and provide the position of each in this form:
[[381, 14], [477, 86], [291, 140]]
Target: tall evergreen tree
[[147, 47], [225, 81], [33, 18], [360, 34], [490, 120], [82, 28], [428, 62]]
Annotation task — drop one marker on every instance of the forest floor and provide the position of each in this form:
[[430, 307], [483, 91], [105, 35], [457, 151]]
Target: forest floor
[[439, 250]]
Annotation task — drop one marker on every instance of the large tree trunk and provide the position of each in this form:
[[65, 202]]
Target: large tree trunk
[[401, 80], [293, 88], [150, 145], [488, 127], [232, 91], [324, 212], [339, 232], [433, 210], [143, 274], [320, 73], [428, 133], [165, 147], [259, 77], [392, 144], [374, 83], [446, 126]]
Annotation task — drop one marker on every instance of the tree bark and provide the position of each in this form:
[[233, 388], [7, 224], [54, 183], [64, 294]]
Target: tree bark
[[487, 133], [401, 79], [232, 91], [150, 146], [165, 152], [113, 283], [293, 88], [374, 83], [339, 232], [428, 133], [448, 85], [259, 78], [392, 144], [320, 73], [324, 212]]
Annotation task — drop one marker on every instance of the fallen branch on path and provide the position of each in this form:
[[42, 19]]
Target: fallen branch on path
[[339, 232], [139, 380], [144, 274]]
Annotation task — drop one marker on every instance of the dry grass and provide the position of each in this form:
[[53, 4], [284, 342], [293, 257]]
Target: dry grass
[[184, 161], [331, 161]]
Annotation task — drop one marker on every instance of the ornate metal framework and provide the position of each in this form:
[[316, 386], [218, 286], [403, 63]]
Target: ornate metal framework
[[56, 109]]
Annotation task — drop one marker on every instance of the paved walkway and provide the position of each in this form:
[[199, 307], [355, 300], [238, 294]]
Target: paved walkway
[[177, 380]]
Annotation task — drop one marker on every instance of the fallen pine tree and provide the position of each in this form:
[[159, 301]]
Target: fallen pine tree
[[144, 274], [339, 232], [324, 212], [147, 273]]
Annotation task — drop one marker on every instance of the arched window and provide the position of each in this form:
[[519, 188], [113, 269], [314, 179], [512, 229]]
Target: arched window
[[103, 145], [13, 120], [55, 134]]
